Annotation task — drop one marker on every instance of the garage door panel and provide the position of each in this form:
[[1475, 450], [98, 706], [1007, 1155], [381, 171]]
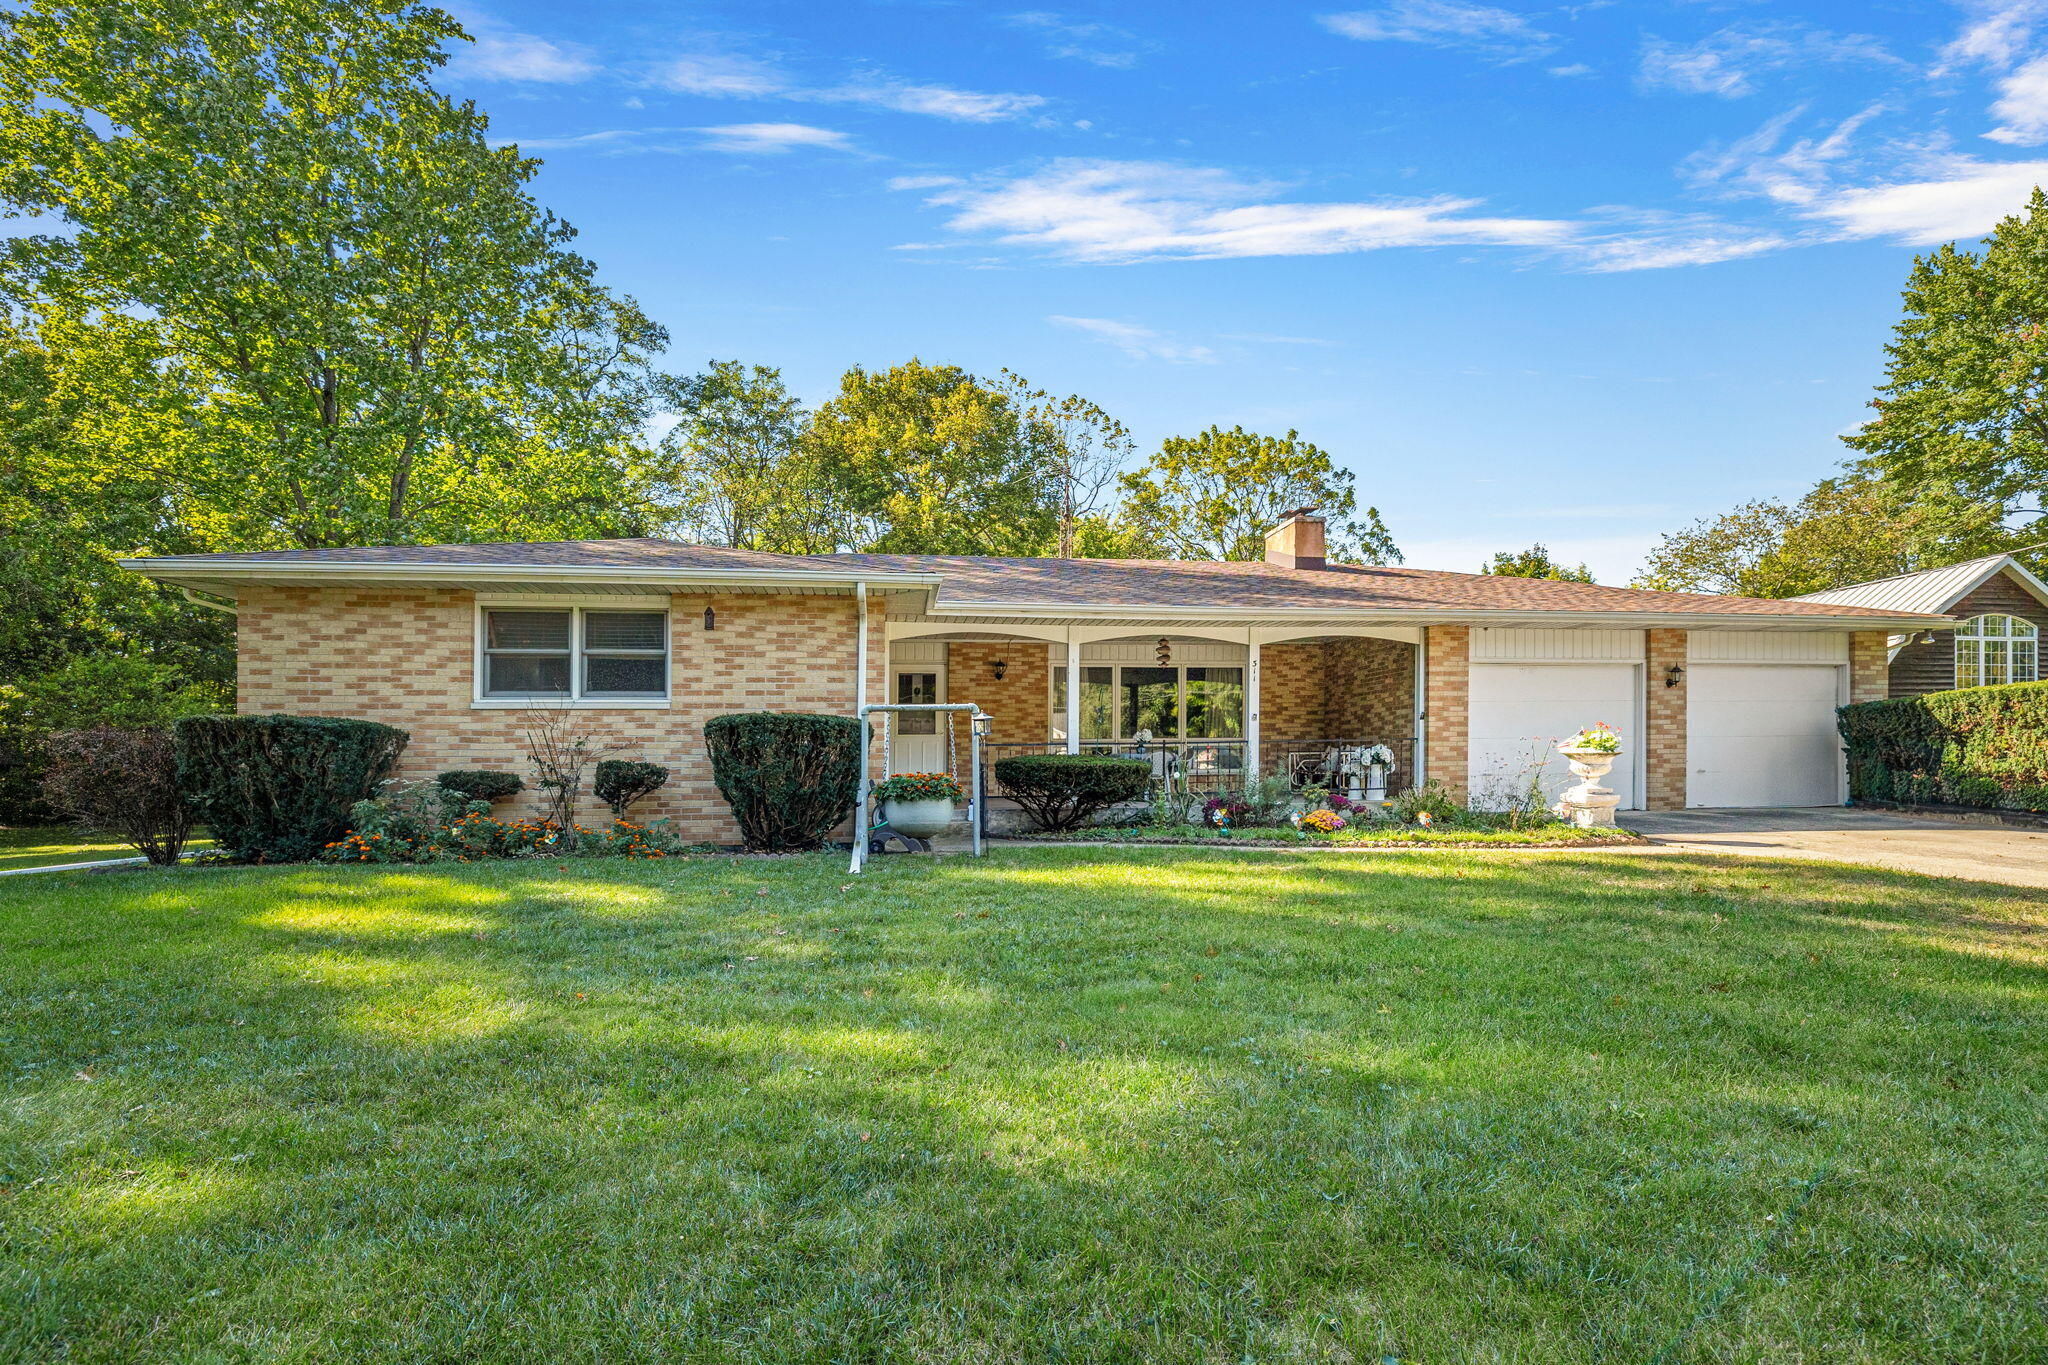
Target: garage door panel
[[1762, 735], [1518, 712]]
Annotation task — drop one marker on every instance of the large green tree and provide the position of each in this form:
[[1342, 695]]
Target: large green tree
[[1846, 530], [928, 459], [1962, 415], [364, 327], [741, 472], [1082, 449], [1535, 562], [1214, 495]]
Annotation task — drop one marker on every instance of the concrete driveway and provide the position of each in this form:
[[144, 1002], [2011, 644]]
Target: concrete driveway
[[1981, 850]]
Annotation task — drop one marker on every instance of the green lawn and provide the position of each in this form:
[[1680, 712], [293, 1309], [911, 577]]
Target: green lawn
[[1059, 1105], [55, 845]]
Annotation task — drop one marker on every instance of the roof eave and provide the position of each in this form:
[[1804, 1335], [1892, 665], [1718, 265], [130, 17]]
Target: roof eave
[[1447, 615], [173, 571]]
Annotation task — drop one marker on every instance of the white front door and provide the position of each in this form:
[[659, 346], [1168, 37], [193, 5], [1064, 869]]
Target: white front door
[[918, 739], [1520, 711], [1763, 735]]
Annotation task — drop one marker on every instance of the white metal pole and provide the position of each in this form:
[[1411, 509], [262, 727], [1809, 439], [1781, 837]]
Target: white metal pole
[[1251, 706], [860, 712], [974, 810], [1073, 693], [1418, 763]]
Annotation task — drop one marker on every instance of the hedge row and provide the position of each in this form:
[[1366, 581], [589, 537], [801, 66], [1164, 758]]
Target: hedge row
[[1977, 746]]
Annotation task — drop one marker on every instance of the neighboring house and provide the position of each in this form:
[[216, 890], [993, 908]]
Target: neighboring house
[[2002, 609], [1233, 668]]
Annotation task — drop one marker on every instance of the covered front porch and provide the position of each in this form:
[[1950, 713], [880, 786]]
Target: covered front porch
[[1209, 708]]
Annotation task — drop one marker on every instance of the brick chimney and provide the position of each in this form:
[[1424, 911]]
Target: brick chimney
[[1297, 542]]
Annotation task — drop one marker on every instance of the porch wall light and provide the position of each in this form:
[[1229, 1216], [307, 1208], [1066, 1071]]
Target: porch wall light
[[999, 667], [1673, 674], [710, 619]]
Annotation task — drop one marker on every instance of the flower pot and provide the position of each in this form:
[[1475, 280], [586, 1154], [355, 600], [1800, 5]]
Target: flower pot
[[918, 819], [1588, 803]]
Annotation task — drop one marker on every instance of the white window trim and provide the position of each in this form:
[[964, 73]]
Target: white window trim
[[1972, 632], [576, 606]]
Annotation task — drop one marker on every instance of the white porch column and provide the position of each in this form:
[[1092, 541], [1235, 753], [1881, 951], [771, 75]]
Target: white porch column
[[1073, 693], [1251, 705]]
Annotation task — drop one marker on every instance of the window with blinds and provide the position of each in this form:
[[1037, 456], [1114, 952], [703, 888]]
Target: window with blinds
[[574, 653]]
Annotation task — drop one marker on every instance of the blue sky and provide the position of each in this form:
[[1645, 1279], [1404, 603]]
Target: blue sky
[[1574, 273]]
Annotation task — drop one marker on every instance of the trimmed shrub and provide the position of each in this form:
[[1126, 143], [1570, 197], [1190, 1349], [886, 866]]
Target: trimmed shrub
[[277, 789], [123, 779], [482, 784], [1060, 791], [1975, 746], [790, 777], [620, 782]]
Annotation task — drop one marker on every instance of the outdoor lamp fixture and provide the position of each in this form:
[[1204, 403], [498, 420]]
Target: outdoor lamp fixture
[[1165, 651], [710, 619], [1672, 675], [999, 667], [1926, 637]]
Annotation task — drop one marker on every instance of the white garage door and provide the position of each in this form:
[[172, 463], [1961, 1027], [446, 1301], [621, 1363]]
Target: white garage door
[[1520, 711], [1762, 735]]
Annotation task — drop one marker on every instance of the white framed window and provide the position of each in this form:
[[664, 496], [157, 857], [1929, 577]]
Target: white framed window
[[580, 654], [1997, 649]]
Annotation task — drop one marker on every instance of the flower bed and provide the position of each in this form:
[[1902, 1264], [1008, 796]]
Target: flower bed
[[1551, 834]]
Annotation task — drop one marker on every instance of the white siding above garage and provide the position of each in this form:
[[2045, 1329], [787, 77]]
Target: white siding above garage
[[1521, 645], [1768, 646]]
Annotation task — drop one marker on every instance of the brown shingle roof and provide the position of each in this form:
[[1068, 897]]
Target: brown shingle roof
[[969, 582]]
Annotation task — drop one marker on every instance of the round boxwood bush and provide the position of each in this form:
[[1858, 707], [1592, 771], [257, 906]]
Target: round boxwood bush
[[482, 784], [1061, 791], [622, 781], [789, 776], [277, 789]]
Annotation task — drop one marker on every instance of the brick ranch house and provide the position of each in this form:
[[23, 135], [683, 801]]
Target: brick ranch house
[[1232, 668]]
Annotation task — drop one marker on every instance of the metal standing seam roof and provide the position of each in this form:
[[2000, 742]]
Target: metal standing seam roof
[[1930, 590], [1035, 585]]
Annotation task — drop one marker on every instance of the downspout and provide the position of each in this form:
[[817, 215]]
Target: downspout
[[1420, 762], [860, 715], [213, 602]]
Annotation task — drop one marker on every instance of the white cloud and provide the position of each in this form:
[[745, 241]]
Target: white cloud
[[2022, 106], [498, 53], [1096, 44], [1754, 165], [1574, 69], [772, 138], [921, 182], [1133, 210], [1727, 63], [738, 138], [1994, 38], [1498, 33], [942, 101], [731, 76], [1140, 343], [1965, 199], [721, 75]]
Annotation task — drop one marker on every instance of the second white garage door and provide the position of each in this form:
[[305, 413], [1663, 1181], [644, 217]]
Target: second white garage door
[[1520, 711], [1762, 735]]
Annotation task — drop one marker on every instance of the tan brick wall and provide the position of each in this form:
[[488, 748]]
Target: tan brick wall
[[1372, 688], [1293, 692], [1869, 665], [405, 657], [1664, 710], [1448, 702], [1020, 704]]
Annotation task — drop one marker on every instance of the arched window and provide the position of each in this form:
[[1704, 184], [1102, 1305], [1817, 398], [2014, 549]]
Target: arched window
[[1996, 649]]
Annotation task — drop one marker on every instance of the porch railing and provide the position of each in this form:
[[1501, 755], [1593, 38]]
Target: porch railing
[[1217, 765]]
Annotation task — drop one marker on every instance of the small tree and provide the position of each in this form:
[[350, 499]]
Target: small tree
[[124, 780], [621, 782], [561, 745], [1535, 562]]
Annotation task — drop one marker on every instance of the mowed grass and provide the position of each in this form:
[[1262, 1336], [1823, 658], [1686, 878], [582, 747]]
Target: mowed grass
[[1055, 1105], [55, 845]]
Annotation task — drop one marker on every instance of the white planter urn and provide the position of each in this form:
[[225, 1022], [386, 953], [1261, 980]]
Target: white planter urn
[[918, 819], [1588, 804]]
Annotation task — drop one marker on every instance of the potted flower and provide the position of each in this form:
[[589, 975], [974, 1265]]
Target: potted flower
[[1591, 752], [919, 804]]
